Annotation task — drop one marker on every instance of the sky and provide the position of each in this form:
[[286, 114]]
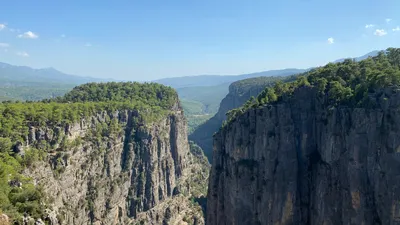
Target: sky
[[147, 40]]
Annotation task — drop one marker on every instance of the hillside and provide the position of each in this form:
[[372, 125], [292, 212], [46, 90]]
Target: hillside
[[319, 150], [209, 96], [239, 93], [109, 153], [25, 83], [214, 80]]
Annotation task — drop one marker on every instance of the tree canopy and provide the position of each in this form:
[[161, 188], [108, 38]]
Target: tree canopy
[[17, 193], [346, 83]]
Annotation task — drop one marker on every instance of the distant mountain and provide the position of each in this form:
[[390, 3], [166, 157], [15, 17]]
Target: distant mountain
[[25, 83], [11, 75], [212, 80], [371, 54]]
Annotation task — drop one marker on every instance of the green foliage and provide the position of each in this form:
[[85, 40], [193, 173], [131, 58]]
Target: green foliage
[[191, 107], [194, 121], [209, 97], [194, 113], [239, 93], [31, 156], [33, 93], [17, 194], [346, 83], [152, 94]]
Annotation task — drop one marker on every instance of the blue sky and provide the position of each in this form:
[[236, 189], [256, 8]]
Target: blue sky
[[146, 40]]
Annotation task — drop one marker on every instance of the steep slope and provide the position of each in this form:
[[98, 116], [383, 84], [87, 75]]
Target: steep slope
[[114, 153], [321, 150], [239, 93], [210, 97]]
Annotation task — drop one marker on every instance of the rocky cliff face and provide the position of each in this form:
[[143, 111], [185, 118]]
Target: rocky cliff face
[[300, 162], [114, 168], [239, 93]]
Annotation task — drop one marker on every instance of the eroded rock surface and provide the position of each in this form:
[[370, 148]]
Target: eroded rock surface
[[128, 172], [301, 162]]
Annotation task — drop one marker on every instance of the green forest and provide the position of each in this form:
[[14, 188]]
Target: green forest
[[346, 83], [151, 100]]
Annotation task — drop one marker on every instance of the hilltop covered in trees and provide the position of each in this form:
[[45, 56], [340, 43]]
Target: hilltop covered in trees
[[346, 83], [152, 101]]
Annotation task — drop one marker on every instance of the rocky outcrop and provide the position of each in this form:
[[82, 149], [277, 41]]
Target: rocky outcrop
[[115, 168], [299, 161], [239, 93], [4, 220]]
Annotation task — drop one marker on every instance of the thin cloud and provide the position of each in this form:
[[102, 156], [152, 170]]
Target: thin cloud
[[4, 45], [14, 30], [29, 35], [22, 54], [369, 26], [331, 40], [2, 26], [88, 45], [388, 20], [396, 29], [380, 33]]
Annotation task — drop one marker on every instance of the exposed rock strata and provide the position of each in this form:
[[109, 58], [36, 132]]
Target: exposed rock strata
[[139, 173], [301, 162]]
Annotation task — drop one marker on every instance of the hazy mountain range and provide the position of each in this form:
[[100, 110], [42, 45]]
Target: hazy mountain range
[[25, 83], [211, 80], [11, 75]]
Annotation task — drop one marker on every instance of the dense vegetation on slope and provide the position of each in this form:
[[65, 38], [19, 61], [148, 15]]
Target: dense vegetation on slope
[[17, 194], [194, 114], [208, 92], [30, 93], [209, 97], [346, 83], [201, 103], [239, 92]]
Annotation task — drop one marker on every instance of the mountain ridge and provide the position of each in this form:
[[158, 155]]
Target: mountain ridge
[[14, 74], [212, 80]]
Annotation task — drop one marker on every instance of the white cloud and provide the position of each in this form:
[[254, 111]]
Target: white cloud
[[4, 45], [388, 20], [23, 54], [28, 34], [380, 33], [331, 40], [88, 45], [2, 26], [369, 25], [396, 29]]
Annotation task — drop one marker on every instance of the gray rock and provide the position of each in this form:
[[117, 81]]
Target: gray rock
[[298, 162], [123, 178]]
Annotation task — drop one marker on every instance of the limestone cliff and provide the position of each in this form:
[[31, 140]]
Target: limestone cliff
[[298, 161], [115, 168], [239, 93]]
